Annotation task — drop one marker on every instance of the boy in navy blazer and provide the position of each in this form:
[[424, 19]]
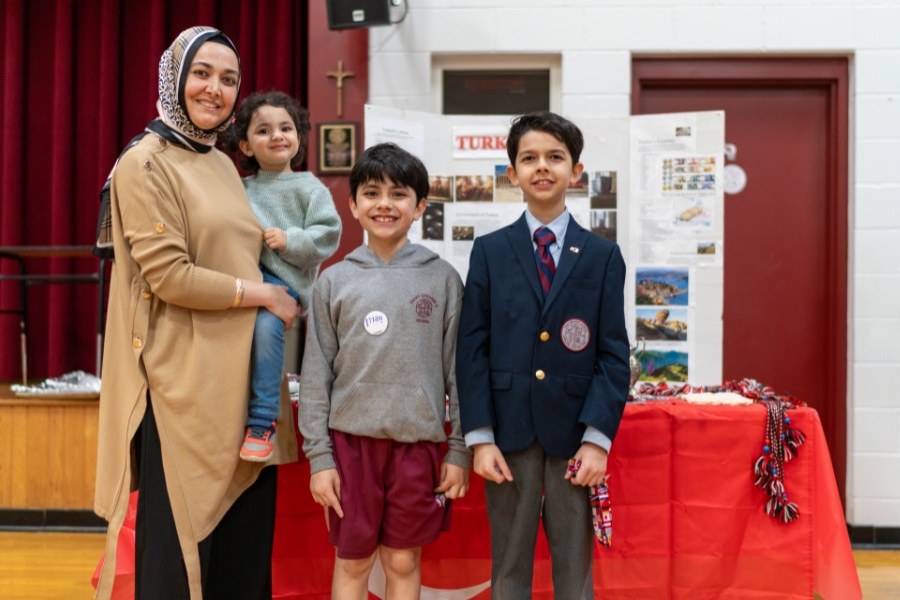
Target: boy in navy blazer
[[542, 365]]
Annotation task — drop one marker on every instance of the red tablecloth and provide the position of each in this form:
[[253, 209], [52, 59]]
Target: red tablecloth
[[687, 522]]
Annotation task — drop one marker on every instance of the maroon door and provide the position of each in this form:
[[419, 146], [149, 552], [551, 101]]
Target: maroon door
[[785, 314]]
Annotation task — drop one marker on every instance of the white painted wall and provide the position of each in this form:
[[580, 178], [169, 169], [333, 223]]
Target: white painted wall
[[596, 40]]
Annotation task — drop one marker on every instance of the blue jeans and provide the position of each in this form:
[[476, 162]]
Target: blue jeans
[[267, 361]]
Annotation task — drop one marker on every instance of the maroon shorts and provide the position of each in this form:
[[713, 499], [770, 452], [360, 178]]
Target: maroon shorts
[[387, 494]]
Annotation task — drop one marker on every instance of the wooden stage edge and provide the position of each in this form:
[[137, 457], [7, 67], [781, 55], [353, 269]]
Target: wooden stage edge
[[32, 519], [7, 396], [48, 453]]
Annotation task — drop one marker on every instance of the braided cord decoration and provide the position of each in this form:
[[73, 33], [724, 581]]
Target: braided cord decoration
[[779, 447]]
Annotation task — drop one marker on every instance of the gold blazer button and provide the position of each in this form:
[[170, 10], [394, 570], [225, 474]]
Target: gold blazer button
[[136, 342], [160, 228], [539, 374], [145, 294], [545, 336]]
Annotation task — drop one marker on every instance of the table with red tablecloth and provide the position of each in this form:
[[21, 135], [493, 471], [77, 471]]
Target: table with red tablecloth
[[687, 520]]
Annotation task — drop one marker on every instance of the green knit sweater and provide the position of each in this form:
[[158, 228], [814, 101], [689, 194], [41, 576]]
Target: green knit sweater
[[302, 206]]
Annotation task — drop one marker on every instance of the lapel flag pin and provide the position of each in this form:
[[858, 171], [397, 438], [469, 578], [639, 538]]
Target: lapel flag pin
[[574, 249]]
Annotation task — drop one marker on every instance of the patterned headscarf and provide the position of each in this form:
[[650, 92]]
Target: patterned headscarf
[[173, 71]]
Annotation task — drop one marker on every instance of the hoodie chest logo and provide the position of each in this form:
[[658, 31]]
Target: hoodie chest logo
[[423, 305]]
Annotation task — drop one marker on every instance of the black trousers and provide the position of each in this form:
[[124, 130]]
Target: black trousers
[[235, 559]]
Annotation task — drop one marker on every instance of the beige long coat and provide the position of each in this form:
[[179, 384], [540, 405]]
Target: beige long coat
[[183, 231]]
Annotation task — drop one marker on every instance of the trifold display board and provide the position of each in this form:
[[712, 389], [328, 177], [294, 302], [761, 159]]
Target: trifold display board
[[652, 183]]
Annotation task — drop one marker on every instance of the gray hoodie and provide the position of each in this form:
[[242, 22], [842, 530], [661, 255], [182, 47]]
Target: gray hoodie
[[379, 359]]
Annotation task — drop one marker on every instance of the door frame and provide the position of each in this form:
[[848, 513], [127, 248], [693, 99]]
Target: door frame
[[831, 74]]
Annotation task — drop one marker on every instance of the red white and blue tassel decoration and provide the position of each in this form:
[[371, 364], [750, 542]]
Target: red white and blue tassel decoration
[[781, 443]]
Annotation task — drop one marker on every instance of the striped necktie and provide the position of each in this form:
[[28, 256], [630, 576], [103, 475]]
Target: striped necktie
[[543, 237]]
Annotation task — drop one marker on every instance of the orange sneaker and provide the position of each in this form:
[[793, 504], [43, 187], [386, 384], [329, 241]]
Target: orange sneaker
[[257, 445]]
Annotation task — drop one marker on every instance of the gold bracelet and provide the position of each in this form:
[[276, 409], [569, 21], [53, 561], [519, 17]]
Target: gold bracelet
[[239, 293]]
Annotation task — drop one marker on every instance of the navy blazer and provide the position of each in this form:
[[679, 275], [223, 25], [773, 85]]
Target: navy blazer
[[534, 369]]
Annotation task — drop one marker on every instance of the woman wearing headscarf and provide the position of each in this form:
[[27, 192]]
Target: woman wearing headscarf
[[177, 351]]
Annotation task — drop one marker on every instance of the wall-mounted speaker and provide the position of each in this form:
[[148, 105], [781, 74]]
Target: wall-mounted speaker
[[348, 14]]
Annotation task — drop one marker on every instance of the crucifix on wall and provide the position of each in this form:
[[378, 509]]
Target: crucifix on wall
[[339, 77]]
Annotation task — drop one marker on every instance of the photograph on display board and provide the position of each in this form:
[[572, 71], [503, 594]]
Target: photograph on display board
[[706, 247], [661, 324], [603, 190], [504, 190], [668, 175], [657, 286], [580, 187], [463, 233], [603, 223], [689, 174], [692, 212], [689, 183], [474, 188], [440, 188], [664, 365], [693, 164], [433, 221]]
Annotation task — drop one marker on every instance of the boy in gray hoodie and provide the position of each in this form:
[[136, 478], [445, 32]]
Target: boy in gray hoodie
[[377, 369]]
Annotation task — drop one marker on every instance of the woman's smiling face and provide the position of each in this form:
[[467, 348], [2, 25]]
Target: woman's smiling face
[[211, 86]]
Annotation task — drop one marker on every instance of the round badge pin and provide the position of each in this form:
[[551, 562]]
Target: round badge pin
[[575, 335], [376, 322]]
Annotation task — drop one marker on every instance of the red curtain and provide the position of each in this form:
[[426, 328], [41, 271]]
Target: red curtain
[[79, 80]]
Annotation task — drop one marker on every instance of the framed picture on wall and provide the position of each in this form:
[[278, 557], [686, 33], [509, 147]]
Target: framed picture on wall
[[337, 147]]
